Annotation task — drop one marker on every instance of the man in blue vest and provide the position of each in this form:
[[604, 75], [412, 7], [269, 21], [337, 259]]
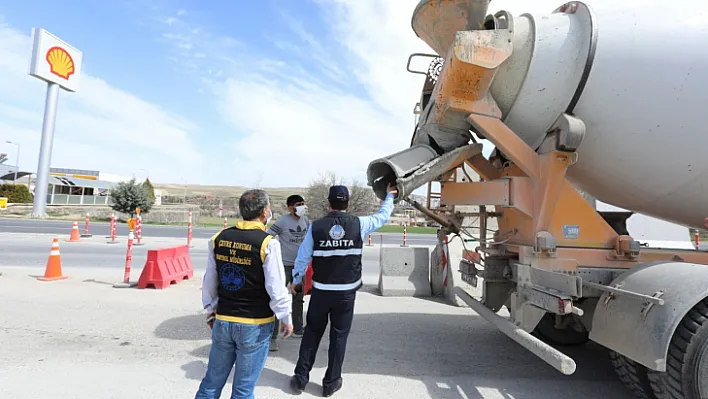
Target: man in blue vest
[[333, 244], [243, 292]]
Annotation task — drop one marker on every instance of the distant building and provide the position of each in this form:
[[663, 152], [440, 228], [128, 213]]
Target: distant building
[[7, 170], [69, 186], [78, 187], [158, 197], [7, 175]]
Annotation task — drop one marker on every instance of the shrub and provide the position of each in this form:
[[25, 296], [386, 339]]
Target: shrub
[[16, 193]]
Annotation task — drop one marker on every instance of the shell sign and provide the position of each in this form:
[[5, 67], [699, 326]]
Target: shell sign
[[60, 62], [54, 60]]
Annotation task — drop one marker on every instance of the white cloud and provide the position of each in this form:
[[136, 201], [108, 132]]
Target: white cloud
[[317, 103], [100, 127]]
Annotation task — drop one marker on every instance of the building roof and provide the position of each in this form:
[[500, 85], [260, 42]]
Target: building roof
[[11, 175], [77, 182]]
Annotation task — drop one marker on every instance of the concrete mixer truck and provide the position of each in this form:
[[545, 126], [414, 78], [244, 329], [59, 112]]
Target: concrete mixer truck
[[610, 100]]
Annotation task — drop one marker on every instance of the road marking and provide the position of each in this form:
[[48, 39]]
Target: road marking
[[55, 225], [34, 227]]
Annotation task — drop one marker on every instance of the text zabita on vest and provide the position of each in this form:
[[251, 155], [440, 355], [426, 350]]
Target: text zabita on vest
[[336, 243]]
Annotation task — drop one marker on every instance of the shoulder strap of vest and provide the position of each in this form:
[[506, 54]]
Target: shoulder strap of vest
[[213, 238], [264, 245]]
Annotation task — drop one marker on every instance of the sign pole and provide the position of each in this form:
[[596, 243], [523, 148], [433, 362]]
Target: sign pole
[[39, 206]]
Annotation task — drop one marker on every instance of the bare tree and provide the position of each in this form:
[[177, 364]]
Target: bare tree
[[362, 200]]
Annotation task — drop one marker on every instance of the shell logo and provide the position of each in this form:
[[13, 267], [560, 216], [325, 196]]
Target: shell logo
[[60, 62]]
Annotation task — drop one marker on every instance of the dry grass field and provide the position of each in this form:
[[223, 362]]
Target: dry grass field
[[178, 190]]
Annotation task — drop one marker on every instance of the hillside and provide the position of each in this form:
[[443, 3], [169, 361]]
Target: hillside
[[178, 190]]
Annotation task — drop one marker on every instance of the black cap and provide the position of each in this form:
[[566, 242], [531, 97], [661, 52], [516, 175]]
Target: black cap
[[338, 193]]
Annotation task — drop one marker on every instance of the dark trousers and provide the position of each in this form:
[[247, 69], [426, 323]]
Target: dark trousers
[[338, 306], [298, 304]]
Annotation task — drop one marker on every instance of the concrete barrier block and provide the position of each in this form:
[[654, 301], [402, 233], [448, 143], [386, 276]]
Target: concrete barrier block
[[404, 272]]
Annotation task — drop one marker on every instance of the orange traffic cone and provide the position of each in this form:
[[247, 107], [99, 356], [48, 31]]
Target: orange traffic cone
[[75, 236], [53, 270]]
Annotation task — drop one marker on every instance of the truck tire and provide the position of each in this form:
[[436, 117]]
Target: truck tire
[[633, 375], [686, 375], [547, 331]]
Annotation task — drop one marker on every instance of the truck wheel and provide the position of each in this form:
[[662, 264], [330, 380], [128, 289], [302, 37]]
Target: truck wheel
[[686, 375], [633, 375], [546, 330]]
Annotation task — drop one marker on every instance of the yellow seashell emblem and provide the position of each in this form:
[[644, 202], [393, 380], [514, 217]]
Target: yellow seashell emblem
[[60, 62]]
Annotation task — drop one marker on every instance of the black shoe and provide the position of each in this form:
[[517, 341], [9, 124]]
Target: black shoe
[[298, 333], [331, 389], [296, 385], [274, 344]]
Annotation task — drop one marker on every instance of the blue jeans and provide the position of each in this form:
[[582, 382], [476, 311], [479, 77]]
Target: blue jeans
[[247, 346]]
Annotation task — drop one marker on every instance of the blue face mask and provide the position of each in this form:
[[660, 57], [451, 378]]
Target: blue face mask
[[270, 216]]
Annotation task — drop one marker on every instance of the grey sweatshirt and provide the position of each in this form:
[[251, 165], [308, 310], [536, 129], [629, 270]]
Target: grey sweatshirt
[[290, 233]]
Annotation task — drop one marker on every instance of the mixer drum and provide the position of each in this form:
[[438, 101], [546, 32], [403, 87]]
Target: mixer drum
[[635, 77]]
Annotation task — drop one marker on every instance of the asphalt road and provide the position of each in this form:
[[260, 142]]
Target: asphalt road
[[84, 339], [61, 227], [27, 250]]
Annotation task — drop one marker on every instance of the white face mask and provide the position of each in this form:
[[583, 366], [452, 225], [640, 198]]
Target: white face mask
[[300, 210]]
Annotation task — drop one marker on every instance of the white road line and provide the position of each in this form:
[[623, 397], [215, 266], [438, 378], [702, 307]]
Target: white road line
[[34, 227]]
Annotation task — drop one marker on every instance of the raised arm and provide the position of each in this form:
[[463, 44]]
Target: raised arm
[[371, 223]]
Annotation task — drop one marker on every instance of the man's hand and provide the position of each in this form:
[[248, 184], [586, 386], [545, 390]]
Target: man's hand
[[293, 289], [392, 189], [210, 320], [286, 329]]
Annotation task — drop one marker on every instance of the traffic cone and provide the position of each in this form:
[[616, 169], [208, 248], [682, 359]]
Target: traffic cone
[[75, 236], [53, 270]]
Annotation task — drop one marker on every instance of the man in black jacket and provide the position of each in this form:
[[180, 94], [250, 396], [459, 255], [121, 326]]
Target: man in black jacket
[[333, 244]]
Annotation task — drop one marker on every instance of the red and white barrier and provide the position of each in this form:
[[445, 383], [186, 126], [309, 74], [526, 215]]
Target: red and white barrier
[[697, 238], [189, 230], [405, 236], [86, 227], [369, 243], [113, 230], [226, 224], [128, 259], [139, 230]]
